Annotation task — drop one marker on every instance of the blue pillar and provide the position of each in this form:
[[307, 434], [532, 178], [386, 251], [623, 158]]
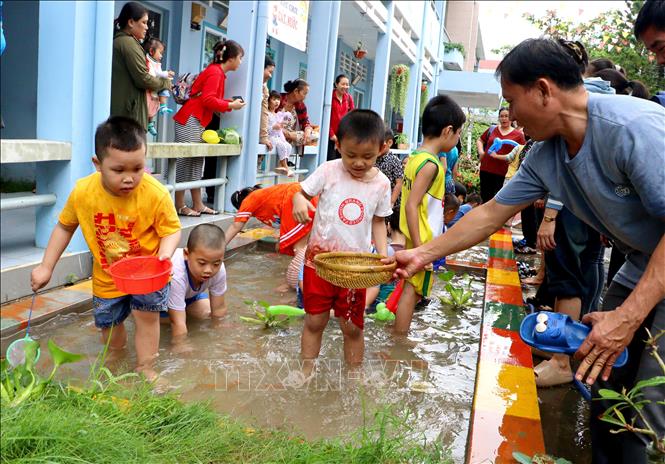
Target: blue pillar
[[382, 65], [321, 54], [415, 77], [73, 96], [248, 26], [438, 66]]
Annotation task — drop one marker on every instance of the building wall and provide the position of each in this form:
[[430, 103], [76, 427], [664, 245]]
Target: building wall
[[364, 86], [462, 26]]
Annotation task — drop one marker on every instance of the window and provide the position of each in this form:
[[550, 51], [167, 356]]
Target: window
[[211, 35], [358, 97], [352, 68]]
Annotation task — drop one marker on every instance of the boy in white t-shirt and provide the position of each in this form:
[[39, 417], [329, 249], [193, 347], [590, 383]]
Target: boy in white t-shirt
[[354, 199], [199, 278]]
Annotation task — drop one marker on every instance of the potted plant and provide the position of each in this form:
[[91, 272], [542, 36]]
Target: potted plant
[[399, 82], [451, 46], [360, 51], [402, 141], [424, 96]]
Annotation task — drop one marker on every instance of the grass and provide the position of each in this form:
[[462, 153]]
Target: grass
[[127, 425]]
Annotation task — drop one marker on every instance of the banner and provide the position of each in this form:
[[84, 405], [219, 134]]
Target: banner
[[287, 23]]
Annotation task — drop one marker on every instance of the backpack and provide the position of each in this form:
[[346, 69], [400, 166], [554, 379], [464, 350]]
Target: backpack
[[182, 88]]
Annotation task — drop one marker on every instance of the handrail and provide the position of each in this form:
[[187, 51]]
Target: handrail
[[32, 150], [26, 201], [195, 184], [191, 150]]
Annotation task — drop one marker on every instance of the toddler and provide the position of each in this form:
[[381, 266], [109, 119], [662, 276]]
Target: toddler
[[276, 121], [154, 49], [354, 199]]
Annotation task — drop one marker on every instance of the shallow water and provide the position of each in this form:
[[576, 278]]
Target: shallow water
[[254, 373]]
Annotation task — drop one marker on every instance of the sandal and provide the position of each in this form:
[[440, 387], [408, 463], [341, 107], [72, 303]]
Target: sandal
[[188, 212], [207, 210]]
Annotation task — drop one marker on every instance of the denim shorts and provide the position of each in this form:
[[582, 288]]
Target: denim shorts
[[112, 311]]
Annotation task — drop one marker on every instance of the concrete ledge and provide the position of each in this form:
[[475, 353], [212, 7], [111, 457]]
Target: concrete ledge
[[191, 150], [505, 416], [27, 151]]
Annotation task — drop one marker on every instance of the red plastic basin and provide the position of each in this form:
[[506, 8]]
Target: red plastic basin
[[139, 275]]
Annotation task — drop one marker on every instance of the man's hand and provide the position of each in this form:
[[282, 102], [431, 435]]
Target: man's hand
[[39, 277], [409, 262], [545, 238], [301, 208], [611, 333]]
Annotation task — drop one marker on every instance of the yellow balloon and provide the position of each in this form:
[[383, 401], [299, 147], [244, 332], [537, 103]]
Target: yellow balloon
[[210, 136]]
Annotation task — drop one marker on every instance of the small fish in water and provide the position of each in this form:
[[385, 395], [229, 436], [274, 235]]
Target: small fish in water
[[421, 387]]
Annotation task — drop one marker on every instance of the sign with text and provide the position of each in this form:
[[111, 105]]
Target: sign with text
[[288, 23]]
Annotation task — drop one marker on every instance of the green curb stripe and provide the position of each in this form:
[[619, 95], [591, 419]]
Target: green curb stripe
[[503, 316], [501, 253]]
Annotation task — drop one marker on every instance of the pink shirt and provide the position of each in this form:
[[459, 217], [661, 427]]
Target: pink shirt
[[182, 288], [343, 220]]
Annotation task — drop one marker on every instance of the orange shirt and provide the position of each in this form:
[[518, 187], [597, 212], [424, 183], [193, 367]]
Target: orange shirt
[[266, 204], [115, 227]]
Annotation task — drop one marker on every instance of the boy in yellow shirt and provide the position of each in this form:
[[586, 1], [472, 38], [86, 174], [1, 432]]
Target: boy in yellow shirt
[[421, 211], [121, 213]]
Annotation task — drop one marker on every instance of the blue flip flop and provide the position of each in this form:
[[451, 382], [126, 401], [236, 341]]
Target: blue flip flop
[[558, 333]]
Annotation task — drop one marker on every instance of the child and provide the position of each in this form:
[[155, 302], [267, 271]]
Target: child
[[273, 206], [380, 293], [156, 100], [473, 200], [354, 200], [391, 166], [121, 213], [276, 121], [421, 213], [450, 209], [199, 278]]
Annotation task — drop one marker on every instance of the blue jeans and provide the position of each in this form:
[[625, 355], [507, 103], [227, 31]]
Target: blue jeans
[[109, 312]]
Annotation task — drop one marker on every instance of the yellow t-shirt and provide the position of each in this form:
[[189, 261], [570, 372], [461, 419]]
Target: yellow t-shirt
[[115, 227]]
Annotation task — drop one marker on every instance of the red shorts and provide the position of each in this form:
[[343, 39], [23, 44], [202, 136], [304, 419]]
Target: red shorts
[[320, 296], [291, 231]]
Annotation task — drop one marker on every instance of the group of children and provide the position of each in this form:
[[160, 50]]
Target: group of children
[[344, 205]]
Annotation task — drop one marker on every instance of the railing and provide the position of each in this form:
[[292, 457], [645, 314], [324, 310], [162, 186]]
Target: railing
[[173, 151], [29, 151]]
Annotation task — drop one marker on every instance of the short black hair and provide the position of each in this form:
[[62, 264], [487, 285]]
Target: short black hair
[[439, 113], [389, 134], [651, 14], [450, 202], [363, 126], [460, 189], [239, 196], [474, 198], [534, 59], [208, 236], [268, 62], [121, 133], [274, 94]]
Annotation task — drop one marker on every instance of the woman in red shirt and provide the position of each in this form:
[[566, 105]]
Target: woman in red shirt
[[493, 170], [206, 97], [342, 103]]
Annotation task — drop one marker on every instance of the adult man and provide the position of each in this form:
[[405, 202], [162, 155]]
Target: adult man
[[603, 156]]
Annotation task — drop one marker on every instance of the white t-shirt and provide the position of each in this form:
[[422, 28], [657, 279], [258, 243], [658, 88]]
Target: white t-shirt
[[182, 289], [343, 220]]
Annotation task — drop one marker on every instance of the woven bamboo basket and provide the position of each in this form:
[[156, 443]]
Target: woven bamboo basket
[[348, 269]]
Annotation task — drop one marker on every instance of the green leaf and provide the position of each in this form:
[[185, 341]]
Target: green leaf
[[61, 356], [447, 276], [30, 348], [521, 457], [562, 461], [609, 394], [264, 304], [251, 320], [652, 382]]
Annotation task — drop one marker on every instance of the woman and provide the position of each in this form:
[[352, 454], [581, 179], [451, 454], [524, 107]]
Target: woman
[[342, 103], [129, 74], [298, 130], [207, 97], [492, 170]]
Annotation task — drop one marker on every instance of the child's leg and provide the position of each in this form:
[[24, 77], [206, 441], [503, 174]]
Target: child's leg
[[163, 99], [312, 333], [371, 295], [109, 314], [354, 342], [146, 339], [405, 307], [118, 336]]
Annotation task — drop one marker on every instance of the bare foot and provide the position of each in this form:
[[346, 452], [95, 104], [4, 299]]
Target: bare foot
[[283, 288], [535, 280]]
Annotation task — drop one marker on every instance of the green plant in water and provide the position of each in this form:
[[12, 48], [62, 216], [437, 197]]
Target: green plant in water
[[634, 400], [23, 382], [458, 296], [264, 318], [539, 459], [399, 83]]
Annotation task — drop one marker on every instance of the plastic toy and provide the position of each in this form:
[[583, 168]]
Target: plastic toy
[[210, 136], [284, 310], [16, 350], [140, 275], [557, 333], [393, 299], [382, 314], [498, 143]]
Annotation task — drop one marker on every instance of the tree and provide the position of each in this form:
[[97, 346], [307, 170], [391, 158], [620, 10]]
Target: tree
[[609, 35]]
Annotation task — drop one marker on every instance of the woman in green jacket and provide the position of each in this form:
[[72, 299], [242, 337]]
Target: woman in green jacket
[[129, 75]]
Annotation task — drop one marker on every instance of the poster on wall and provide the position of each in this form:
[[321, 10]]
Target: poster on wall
[[288, 23]]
